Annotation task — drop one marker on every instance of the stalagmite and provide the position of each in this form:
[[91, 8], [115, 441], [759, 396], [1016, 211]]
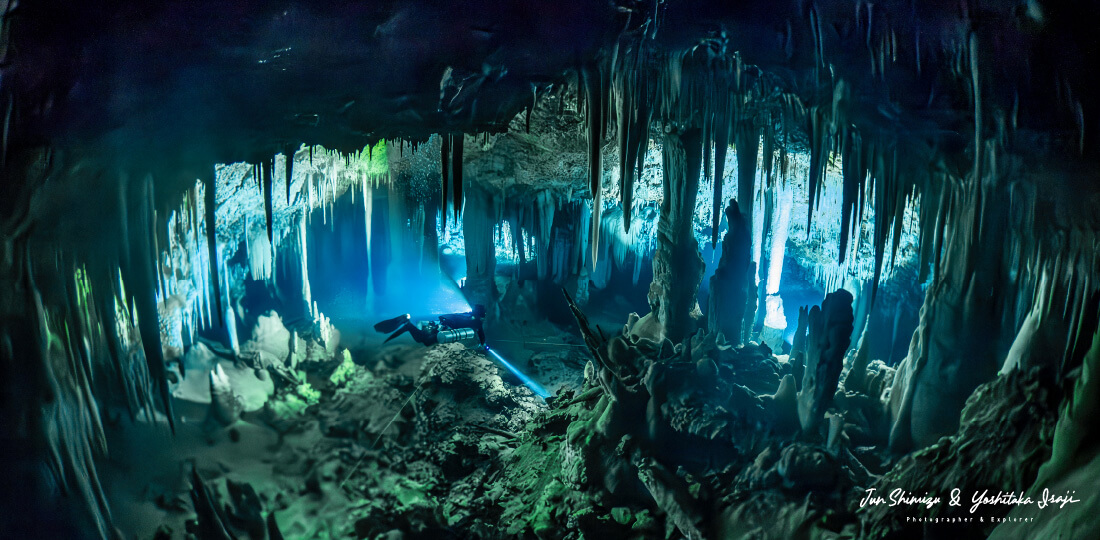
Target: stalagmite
[[730, 285], [211, 522], [830, 330], [128, 375], [225, 407]]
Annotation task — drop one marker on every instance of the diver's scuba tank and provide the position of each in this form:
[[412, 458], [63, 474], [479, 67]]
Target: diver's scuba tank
[[465, 336]]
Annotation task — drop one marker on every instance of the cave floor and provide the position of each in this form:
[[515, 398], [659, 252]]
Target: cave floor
[[402, 430]]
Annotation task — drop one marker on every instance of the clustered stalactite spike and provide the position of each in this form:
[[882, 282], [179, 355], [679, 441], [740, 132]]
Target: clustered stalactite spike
[[634, 93]]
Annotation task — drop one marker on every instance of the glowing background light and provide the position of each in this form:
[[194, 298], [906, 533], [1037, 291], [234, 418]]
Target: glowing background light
[[775, 317], [528, 381], [422, 295]]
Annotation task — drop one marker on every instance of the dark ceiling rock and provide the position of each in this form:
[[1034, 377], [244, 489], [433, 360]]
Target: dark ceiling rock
[[171, 88], [235, 79]]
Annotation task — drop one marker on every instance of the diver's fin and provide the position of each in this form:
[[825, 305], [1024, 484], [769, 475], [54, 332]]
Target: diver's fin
[[389, 325], [404, 328]]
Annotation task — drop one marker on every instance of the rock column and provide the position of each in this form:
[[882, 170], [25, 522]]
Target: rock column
[[677, 264]]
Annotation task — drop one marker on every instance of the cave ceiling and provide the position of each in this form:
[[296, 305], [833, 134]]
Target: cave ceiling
[[231, 81]]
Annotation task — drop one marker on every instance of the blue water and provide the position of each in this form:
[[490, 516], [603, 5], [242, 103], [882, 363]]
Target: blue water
[[423, 296]]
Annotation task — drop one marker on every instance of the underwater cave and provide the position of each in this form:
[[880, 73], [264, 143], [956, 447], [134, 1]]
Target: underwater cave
[[556, 269]]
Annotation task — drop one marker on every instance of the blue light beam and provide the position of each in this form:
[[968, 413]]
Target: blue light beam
[[527, 381]]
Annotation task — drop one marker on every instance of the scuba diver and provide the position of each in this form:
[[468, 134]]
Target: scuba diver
[[451, 328]]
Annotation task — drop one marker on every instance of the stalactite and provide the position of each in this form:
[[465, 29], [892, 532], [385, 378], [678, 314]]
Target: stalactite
[[260, 261], [818, 152], [780, 228], [747, 140], [721, 146], [595, 109], [303, 251], [976, 88], [852, 180], [266, 171], [288, 171], [140, 274], [763, 232], [456, 174], [768, 151], [210, 206], [545, 208], [633, 92], [886, 182], [445, 168], [368, 210]]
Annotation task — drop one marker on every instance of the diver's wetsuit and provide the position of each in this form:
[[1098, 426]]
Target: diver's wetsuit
[[453, 321], [420, 336]]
